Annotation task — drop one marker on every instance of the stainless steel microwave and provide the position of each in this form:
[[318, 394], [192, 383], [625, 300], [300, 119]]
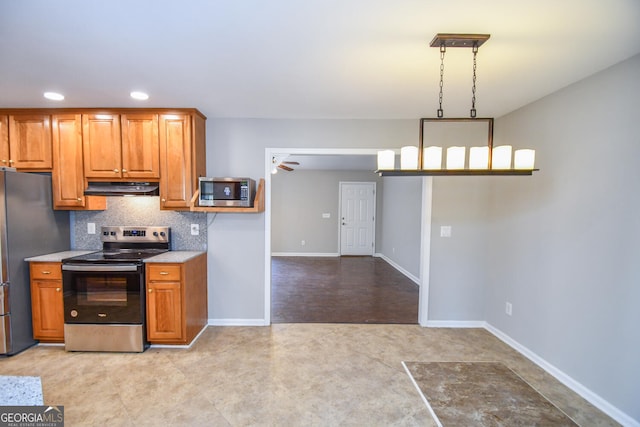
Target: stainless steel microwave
[[230, 192]]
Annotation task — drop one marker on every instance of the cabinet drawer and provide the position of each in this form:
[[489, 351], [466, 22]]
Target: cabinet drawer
[[46, 270], [163, 272]]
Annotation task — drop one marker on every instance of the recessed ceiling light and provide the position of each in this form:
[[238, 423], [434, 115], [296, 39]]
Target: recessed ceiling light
[[140, 96], [54, 96]]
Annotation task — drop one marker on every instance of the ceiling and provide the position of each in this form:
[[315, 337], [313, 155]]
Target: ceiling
[[336, 162], [305, 59]]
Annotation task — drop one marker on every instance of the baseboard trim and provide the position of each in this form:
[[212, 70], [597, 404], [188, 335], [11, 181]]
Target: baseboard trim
[[237, 322], [565, 379], [320, 254], [393, 264], [456, 324]]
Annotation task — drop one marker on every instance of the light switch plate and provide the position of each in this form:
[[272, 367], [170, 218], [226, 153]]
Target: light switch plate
[[326, 215], [91, 228], [445, 231], [195, 229]]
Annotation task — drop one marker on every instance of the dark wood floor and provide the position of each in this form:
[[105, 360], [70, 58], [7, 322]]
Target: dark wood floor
[[340, 290]]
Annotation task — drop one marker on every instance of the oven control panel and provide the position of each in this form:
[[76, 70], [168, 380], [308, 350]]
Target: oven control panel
[[143, 234]]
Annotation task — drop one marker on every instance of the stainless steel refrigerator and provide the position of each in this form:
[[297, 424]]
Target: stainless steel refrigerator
[[28, 227]]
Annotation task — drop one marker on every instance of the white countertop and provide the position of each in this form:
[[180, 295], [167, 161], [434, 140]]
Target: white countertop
[[170, 256], [57, 256], [174, 256]]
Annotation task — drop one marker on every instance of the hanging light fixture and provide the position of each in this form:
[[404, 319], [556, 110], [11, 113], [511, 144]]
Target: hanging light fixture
[[442, 135]]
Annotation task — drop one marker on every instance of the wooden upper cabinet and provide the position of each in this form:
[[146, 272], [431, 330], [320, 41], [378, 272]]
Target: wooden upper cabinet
[[101, 144], [29, 142], [175, 167], [67, 175], [182, 158], [4, 140], [140, 146]]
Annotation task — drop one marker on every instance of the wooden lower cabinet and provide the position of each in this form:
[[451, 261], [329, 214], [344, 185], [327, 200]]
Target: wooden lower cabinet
[[176, 300], [47, 308]]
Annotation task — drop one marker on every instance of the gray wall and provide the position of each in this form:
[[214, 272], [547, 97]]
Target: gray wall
[[298, 200], [236, 241], [564, 243], [458, 263], [399, 241]]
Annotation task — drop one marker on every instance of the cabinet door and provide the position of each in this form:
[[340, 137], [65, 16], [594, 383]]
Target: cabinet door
[[140, 146], [175, 161], [30, 142], [47, 310], [101, 143], [67, 175], [164, 311], [4, 140]]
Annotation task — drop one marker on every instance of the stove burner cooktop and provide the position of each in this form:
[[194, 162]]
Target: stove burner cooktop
[[115, 256], [127, 244]]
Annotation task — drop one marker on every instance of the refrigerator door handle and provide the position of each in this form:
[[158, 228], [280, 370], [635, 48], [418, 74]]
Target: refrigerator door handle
[[4, 298]]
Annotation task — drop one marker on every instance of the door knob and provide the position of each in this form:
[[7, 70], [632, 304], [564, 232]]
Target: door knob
[[116, 171]]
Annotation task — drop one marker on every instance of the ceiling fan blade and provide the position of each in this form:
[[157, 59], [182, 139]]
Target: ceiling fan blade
[[289, 163], [287, 168]]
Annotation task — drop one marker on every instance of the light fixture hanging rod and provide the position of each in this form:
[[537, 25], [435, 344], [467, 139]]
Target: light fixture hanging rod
[[459, 40]]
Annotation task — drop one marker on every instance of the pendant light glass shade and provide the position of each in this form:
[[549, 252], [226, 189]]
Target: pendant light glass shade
[[409, 157], [524, 159], [455, 157], [501, 158], [479, 158], [386, 160], [432, 158]]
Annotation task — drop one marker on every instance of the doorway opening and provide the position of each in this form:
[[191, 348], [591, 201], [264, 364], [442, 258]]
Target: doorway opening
[[273, 260]]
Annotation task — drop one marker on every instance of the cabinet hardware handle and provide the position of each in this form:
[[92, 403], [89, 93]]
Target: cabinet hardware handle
[[124, 170], [164, 200], [79, 199], [46, 272], [10, 161], [57, 289], [164, 273], [4, 161], [150, 290], [116, 171]]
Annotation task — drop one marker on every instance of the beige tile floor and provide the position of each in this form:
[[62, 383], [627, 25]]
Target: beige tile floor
[[283, 375]]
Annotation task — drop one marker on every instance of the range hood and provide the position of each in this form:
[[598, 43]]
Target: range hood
[[122, 189]]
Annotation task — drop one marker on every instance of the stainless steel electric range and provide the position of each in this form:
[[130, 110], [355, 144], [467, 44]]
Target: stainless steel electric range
[[104, 291]]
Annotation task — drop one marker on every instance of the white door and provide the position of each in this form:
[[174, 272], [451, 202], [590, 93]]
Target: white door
[[357, 218]]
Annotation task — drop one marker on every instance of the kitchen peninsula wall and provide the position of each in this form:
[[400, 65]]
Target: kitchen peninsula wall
[[139, 211]]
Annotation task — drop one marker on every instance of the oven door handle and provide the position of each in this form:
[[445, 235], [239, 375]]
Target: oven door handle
[[100, 267]]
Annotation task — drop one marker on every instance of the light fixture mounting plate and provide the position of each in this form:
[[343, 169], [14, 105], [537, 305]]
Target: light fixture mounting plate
[[459, 40]]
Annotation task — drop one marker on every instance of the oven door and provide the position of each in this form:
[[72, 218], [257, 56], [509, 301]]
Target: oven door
[[103, 293]]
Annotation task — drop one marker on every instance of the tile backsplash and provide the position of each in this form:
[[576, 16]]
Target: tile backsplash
[[139, 211]]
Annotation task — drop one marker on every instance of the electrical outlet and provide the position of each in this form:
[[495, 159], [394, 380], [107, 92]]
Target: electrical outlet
[[91, 228], [195, 229], [445, 231], [508, 308], [326, 215], [302, 243]]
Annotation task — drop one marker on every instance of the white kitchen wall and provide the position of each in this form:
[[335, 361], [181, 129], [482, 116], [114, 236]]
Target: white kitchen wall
[[564, 243]]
